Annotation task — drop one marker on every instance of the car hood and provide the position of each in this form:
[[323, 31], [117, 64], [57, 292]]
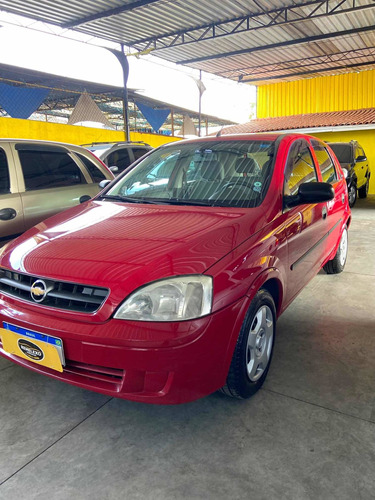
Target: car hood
[[116, 245]]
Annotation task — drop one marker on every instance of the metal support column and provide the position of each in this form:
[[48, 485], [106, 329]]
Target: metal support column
[[121, 56]]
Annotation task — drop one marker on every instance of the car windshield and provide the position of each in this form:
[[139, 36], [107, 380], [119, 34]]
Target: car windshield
[[343, 152], [213, 173]]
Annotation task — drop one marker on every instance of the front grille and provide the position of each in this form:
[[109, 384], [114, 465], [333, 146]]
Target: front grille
[[60, 295]]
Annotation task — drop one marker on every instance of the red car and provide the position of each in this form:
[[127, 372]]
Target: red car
[[167, 285]]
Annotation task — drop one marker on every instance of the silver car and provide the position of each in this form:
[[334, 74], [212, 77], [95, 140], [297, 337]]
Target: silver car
[[40, 178], [118, 155]]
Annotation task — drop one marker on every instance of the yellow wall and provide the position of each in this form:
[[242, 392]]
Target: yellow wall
[[73, 134], [323, 94], [317, 95], [366, 138]]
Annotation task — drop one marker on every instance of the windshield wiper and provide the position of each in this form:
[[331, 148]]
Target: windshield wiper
[[154, 201], [179, 201], [127, 199]]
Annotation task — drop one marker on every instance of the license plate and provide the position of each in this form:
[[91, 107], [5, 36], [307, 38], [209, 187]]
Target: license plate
[[33, 346]]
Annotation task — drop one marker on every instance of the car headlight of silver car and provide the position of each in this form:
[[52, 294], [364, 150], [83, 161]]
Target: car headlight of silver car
[[172, 299]]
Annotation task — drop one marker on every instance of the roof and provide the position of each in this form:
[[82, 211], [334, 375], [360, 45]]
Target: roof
[[64, 93], [314, 120], [251, 41]]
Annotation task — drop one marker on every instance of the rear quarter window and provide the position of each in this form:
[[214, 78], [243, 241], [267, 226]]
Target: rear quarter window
[[4, 173]]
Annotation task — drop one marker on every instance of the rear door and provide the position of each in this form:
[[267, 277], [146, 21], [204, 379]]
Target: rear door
[[360, 165], [11, 211], [52, 181], [335, 208]]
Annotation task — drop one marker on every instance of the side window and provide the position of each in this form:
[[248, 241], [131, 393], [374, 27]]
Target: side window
[[48, 169], [326, 164], [95, 173], [4, 173], [120, 159], [299, 167], [139, 152], [360, 153]]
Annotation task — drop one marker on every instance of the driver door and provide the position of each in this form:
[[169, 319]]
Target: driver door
[[306, 225]]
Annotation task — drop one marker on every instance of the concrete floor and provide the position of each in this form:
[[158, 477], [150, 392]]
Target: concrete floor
[[308, 434]]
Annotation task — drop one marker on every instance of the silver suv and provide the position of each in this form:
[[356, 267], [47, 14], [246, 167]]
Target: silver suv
[[40, 178], [118, 154]]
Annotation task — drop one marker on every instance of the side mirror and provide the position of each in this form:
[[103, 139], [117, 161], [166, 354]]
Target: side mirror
[[345, 172], [84, 198], [104, 183], [310, 193], [113, 169], [360, 158]]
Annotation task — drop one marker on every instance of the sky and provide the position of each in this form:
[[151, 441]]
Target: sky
[[153, 77]]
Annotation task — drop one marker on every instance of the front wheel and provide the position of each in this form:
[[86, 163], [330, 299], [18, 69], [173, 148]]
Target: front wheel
[[253, 352], [352, 195], [337, 264]]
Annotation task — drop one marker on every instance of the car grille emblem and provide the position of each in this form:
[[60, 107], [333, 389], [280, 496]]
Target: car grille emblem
[[39, 291]]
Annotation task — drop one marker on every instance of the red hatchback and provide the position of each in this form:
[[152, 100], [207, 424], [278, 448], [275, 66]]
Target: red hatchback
[[167, 285]]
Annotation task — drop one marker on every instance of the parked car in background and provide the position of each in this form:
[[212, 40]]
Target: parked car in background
[[353, 158], [40, 178], [167, 285], [118, 154]]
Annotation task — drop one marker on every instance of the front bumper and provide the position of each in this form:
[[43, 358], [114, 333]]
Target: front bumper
[[164, 363]]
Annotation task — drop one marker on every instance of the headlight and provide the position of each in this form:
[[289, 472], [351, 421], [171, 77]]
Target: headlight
[[172, 299]]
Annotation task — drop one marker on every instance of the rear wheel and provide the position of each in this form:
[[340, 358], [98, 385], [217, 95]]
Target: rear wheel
[[337, 264], [253, 352], [363, 191]]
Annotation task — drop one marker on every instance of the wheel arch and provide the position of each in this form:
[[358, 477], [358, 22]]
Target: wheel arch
[[269, 280], [274, 288]]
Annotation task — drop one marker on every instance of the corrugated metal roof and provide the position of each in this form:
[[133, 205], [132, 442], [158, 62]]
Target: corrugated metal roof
[[249, 40], [314, 120]]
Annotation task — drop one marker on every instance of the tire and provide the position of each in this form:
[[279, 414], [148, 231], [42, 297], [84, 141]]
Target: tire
[[363, 191], [352, 195], [253, 352], [337, 264]]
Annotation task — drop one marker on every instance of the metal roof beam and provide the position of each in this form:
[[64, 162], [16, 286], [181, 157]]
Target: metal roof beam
[[246, 74], [286, 43], [310, 72], [108, 13], [251, 22]]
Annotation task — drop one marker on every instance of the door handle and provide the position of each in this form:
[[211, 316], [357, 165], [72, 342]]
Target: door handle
[[324, 212], [7, 214]]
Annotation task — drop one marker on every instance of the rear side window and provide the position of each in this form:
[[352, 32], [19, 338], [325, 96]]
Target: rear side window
[[360, 153], [326, 164], [139, 152], [4, 173], [48, 169], [343, 152], [120, 159], [300, 167], [95, 173]]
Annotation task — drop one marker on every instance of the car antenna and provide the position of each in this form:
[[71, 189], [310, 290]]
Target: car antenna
[[219, 133]]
